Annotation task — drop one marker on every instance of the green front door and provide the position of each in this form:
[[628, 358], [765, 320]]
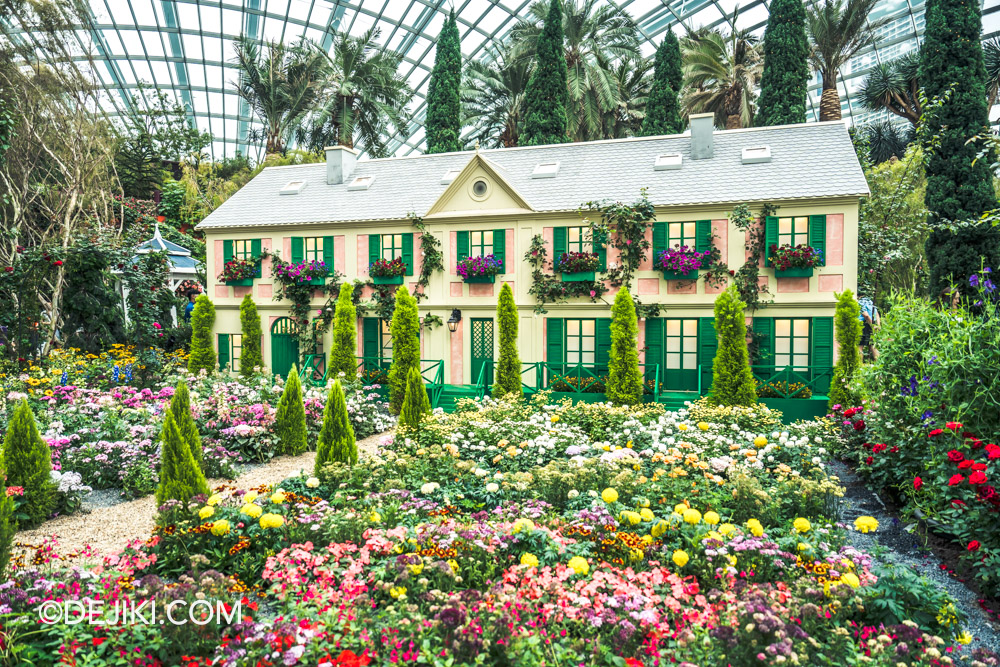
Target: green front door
[[284, 345], [482, 349], [680, 368]]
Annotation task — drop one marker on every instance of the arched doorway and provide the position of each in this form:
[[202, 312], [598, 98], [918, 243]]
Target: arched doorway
[[284, 345]]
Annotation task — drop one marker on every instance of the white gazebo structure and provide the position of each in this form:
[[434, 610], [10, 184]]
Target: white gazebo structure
[[183, 266]]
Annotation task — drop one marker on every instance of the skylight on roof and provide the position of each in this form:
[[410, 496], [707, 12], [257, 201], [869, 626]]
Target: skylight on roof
[[756, 154], [666, 161], [450, 176], [546, 170], [361, 183], [293, 188]]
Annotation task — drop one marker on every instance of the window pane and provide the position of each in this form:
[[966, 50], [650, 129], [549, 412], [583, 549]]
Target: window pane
[[782, 345], [673, 327], [588, 358], [689, 231], [801, 225], [673, 360], [588, 327], [573, 327], [573, 344], [690, 360], [574, 234], [587, 342], [781, 360], [673, 345], [802, 346], [801, 327], [782, 328], [784, 226], [690, 327], [801, 359], [487, 238]]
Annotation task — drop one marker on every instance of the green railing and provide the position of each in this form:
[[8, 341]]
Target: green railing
[[375, 370], [575, 379], [784, 382], [314, 370]]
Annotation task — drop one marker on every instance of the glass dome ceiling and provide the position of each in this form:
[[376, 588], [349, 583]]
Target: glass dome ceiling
[[184, 47]]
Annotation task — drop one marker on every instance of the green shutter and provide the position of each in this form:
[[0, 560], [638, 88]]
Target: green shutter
[[328, 253], [223, 351], [374, 249], [461, 246], [554, 341], [770, 237], [659, 240], [708, 344], [603, 343], [558, 245], [601, 250], [369, 340], [227, 253], [298, 250], [817, 235], [763, 328], [703, 231], [500, 248], [654, 344], [408, 253], [255, 252], [821, 351]]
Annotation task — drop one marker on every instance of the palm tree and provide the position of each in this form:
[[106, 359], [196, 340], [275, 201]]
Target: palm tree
[[281, 85], [886, 140], [364, 100], [493, 96], [991, 53], [721, 75], [838, 31], [597, 35], [893, 86], [633, 76]]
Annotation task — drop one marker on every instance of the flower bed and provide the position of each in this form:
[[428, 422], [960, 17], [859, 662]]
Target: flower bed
[[386, 272], [795, 261], [681, 262], [481, 269]]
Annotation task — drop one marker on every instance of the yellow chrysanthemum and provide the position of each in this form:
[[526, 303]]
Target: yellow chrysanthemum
[[526, 525], [704, 426], [453, 564], [278, 497], [680, 558], [866, 524], [250, 496], [206, 512], [802, 525], [756, 529], [646, 514], [397, 592], [251, 510], [270, 520], [727, 529], [691, 516], [759, 441], [374, 517], [529, 559], [850, 579], [680, 508], [220, 528], [214, 499], [682, 427], [711, 518], [579, 565], [609, 495], [659, 529]]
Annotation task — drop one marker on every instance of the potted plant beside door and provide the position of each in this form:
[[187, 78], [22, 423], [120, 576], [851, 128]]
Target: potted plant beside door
[[681, 262], [239, 272], [578, 267], [795, 261], [387, 272], [482, 269]]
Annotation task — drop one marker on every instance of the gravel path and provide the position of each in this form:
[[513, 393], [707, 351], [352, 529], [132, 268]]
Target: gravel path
[[903, 549], [108, 522]]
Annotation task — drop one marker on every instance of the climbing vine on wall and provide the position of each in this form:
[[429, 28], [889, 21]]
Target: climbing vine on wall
[[547, 288], [747, 278], [623, 227]]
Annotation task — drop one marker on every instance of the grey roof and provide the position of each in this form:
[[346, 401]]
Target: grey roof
[[808, 161]]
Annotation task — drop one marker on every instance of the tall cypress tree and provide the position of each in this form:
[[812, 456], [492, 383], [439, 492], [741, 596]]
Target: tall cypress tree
[[27, 462], [180, 406], [342, 357], [336, 438], [786, 65], [250, 354], [663, 109], [444, 105], [405, 346], [202, 355], [957, 189], [180, 476], [732, 378], [508, 380], [290, 417], [624, 378], [546, 96]]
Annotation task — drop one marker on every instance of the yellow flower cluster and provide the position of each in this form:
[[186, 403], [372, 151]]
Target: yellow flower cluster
[[270, 520], [579, 565], [866, 524]]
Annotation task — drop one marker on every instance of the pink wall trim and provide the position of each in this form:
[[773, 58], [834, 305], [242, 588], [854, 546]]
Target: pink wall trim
[[367, 291], [746, 241], [641, 341], [265, 264], [362, 254], [317, 294], [835, 239], [271, 320], [481, 289], [510, 262], [545, 324], [547, 235], [647, 262], [793, 285], [219, 257], [360, 340], [418, 257], [265, 291], [457, 339], [286, 248], [222, 291], [649, 286], [831, 282], [682, 287], [452, 252], [240, 291], [763, 282], [610, 290], [456, 289], [340, 253]]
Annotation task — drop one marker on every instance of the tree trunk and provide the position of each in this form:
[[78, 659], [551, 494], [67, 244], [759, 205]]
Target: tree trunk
[[734, 122], [829, 104]]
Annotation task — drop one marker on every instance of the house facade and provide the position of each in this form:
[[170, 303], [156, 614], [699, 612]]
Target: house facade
[[349, 213]]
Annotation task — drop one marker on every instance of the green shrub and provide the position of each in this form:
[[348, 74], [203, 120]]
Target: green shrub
[[180, 406], [336, 439], [250, 354], [732, 379], [508, 379], [848, 328], [202, 355], [343, 357], [405, 347], [27, 462], [624, 379], [417, 404], [180, 477], [546, 99], [290, 417]]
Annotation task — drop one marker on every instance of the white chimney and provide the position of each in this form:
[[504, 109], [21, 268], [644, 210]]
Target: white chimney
[[702, 127], [340, 161]]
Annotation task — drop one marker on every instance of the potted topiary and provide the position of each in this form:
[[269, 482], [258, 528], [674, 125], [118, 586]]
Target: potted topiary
[[681, 262], [483, 269], [386, 272], [795, 261], [577, 266], [239, 272], [313, 272]]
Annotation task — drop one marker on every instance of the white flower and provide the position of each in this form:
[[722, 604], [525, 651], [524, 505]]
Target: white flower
[[492, 487], [429, 488], [573, 493], [313, 482]]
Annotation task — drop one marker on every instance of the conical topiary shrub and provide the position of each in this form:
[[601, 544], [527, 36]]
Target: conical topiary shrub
[[180, 406], [405, 347], [202, 356], [847, 324], [290, 417], [732, 379], [417, 403], [27, 461], [180, 477], [508, 380], [343, 358], [336, 439], [250, 354], [624, 378]]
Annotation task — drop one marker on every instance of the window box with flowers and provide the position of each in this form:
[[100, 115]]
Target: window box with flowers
[[482, 269], [313, 272], [578, 267], [795, 261], [239, 272], [387, 272], [682, 262]]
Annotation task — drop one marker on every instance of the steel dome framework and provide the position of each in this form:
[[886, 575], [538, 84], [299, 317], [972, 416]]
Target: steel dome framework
[[184, 47]]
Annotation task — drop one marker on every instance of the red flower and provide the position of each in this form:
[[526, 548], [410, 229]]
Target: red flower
[[917, 483], [987, 492], [632, 662], [58, 262], [937, 431], [879, 448], [953, 455], [977, 477], [849, 412], [97, 641], [351, 659], [8, 269], [979, 466], [956, 479], [869, 460], [973, 545], [859, 425], [957, 503], [993, 451], [964, 465], [954, 426]]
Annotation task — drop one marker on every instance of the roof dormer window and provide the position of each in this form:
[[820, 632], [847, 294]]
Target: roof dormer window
[[293, 188], [756, 154], [450, 176], [361, 183], [545, 170], [667, 161]]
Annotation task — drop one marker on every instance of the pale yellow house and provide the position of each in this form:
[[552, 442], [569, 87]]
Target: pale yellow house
[[349, 212]]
